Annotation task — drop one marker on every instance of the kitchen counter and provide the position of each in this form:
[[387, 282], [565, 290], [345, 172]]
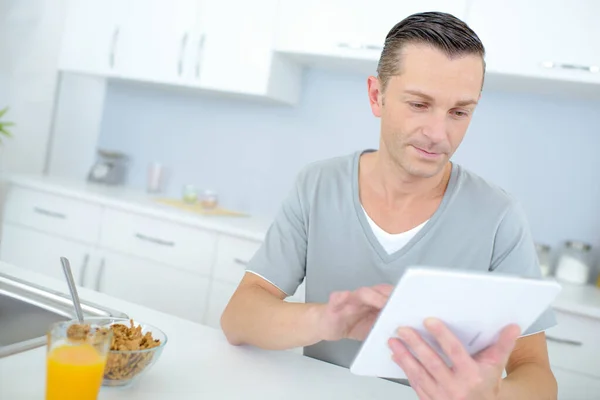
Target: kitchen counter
[[198, 363], [139, 202], [579, 299]]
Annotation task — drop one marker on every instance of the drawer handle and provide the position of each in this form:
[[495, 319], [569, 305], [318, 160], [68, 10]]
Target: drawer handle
[[154, 240], [240, 261], [564, 341], [99, 274], [86, 259], [49, 213]]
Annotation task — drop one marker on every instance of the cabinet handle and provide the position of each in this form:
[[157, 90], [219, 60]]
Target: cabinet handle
[[86, 259], [240, 261], [585, 68], [49, 213], [199, 55], [113, 46], [564, 341], [154, 240], [99, 274], [360, 46], [181, 51]]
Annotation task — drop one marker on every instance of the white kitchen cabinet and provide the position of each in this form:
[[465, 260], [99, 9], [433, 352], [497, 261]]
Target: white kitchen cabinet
[[347, 34], [220, 294], [572, 386], [53, 214], [158, 286], [90, 42], [158, 240], [41, 252], [159, 40], [553, 39], [238, 51], [216, 46], [573, 343]]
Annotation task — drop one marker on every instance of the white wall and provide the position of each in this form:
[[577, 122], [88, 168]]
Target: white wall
[[542, 150], [29, 45]]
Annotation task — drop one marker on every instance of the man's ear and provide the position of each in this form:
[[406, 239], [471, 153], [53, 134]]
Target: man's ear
[[375, 95]]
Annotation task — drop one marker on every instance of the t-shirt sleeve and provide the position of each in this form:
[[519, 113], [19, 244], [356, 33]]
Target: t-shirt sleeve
[[281, 259], [514, 253]]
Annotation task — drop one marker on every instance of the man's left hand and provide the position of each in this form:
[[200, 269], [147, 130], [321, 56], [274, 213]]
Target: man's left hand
[[470, 377]]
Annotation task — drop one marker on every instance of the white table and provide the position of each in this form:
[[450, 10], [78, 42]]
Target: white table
[[198, 363]]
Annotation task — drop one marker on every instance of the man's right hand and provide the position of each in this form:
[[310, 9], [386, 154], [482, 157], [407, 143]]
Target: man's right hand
[[351, 315]]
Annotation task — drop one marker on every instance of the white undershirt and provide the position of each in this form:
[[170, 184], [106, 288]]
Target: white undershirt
[[392, 242]]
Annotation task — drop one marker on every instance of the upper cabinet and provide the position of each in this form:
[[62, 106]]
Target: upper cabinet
[[257, 49], [346, 34], [217, 45], [159, 40], [238, 51], [553, 40], [91, 36]]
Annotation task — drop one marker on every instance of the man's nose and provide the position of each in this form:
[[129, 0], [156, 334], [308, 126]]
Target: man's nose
[[435, 128]]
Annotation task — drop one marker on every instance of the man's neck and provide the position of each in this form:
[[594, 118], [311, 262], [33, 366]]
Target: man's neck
[[396, 185]]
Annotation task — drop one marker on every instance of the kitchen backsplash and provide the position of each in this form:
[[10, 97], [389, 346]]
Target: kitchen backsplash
[[543, 150]]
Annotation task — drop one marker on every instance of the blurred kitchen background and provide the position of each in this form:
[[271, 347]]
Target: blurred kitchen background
[[236, 96]]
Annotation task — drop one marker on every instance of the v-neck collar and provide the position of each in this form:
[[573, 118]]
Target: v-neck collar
[[366, 228]]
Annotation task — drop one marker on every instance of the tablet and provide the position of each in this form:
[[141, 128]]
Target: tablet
[[475, 305]]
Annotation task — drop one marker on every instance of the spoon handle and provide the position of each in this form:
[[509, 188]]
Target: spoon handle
[[67, 270]]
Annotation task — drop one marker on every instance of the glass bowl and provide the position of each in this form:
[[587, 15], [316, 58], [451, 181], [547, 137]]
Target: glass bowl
[[126, 365]]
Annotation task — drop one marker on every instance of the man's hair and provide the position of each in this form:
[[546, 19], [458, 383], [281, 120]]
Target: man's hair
[[440, 30]]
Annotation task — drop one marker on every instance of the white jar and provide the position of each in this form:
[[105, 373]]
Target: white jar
[[543, 253], [574, 263]]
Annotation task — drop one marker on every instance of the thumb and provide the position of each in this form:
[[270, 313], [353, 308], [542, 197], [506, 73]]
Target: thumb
[[498, 353]]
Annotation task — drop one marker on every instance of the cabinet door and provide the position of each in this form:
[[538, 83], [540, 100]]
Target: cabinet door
[[552, 39], [220, 293], [238, 45], [40, 252], [323, 27], [158, 40], [91, 36], [161, 287], [574, 386]]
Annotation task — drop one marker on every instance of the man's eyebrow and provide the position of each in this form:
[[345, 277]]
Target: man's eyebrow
[[425, 96]]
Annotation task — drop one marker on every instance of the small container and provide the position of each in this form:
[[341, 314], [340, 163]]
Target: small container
[[574, 263], [208, 199], [543, 253], [156, 177], [190, 194]]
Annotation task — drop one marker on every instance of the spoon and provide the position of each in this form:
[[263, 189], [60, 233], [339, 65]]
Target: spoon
[[67, 270]]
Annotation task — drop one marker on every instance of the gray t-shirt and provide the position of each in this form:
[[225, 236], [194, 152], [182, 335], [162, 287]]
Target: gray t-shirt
[[321, 234]]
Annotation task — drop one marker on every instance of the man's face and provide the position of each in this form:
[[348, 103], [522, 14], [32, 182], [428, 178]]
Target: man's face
[[425, 111]]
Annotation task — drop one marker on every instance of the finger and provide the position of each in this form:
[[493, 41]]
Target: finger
[[384, 289], [498, 353], [461, 360], [428, 358], [422, 395], [337, 300], [370, 297], [417, 376]]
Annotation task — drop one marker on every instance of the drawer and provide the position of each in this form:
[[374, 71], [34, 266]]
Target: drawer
[[233, 254], [574, 344], [54, 214], [158, 240]]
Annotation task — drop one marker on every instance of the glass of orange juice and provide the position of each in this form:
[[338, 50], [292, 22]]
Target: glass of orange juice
[[75, 360]]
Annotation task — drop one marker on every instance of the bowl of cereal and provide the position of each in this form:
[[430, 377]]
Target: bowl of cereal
[[134, 349]]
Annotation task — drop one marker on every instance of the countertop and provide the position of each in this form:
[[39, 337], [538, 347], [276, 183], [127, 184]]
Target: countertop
[[198, 363], [136, 201]]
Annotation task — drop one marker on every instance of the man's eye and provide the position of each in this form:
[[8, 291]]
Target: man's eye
[[461, 114], [418, 106]]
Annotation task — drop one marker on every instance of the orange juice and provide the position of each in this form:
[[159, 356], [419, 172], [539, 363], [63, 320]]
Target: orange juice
[[74, 372]]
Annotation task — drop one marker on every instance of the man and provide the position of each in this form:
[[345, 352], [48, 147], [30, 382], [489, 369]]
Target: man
[[353, 224]]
